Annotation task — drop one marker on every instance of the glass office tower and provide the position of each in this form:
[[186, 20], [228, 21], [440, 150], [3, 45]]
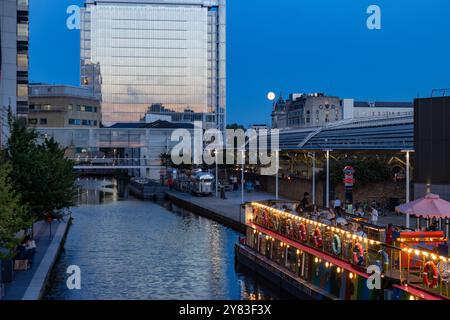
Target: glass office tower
[[136, 53]]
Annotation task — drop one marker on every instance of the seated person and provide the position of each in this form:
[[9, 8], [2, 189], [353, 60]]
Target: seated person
[[21, 252], [359, 212], [361, 233]]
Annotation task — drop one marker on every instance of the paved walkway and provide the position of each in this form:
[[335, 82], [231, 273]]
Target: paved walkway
[[47, 250], [230, 207]]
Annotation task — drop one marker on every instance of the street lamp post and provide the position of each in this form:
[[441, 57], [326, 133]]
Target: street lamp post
[[408, 182], [271, 96], [242, 176], [277, 156], [314, 178], [217, 174], [327, 199]]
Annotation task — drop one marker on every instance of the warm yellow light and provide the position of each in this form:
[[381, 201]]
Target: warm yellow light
[[298, 251], [351, 275], [316, 260], [412, 298], [417, 252], [338, 270], [327, 265], [433, 257]]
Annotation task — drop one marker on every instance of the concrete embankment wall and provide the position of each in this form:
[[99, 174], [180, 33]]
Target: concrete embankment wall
[[37, 286]]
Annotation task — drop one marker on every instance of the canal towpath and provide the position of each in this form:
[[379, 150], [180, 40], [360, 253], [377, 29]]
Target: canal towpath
[[226, 211], [30, 284], [230, 213]]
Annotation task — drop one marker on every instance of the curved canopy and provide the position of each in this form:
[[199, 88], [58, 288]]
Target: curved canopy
[[430, 206]]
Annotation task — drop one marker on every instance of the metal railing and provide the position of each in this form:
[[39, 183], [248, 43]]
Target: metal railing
[[406, 265]]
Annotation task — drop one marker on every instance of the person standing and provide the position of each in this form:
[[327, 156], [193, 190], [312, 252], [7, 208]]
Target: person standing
[[170, 183], [390, 235], [374, 216], [306, 205], [337, 205]]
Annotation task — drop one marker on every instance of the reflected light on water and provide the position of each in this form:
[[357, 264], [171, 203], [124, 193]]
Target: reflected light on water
[[131, 249]]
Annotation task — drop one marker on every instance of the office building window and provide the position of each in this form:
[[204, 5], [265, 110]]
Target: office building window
[[43, 121], [22, 30], [22, 61], [70, 107], [22, 90], [75, 122], [32, 121]]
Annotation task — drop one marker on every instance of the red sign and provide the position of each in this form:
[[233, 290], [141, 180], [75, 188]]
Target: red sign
[[349, 180]]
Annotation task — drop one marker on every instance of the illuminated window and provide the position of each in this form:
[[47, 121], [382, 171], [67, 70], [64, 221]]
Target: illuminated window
[[22, 90], [22, 30]]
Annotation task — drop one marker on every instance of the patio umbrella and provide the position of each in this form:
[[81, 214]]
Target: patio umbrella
[[428, 207]]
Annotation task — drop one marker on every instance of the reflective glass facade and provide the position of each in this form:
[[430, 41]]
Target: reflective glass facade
[[148, 52]]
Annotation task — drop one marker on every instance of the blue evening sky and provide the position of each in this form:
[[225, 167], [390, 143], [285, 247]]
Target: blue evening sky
[[292, 46]]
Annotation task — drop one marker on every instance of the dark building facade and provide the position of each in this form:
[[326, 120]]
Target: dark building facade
[[432, 146]]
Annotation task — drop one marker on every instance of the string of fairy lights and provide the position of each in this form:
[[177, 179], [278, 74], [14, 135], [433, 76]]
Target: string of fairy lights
[[346, 233]]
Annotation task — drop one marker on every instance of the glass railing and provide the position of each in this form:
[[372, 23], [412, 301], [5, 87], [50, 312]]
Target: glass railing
[[424, 269]]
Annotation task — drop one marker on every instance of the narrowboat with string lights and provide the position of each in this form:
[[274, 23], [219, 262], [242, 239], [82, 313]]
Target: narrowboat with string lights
[[325, 261]]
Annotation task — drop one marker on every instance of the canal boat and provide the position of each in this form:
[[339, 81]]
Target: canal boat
[[321, 261]]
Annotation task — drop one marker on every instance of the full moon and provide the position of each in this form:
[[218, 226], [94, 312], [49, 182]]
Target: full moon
[[271, 96]]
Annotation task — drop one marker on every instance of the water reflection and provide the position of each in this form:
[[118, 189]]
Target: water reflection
[[131, 249]]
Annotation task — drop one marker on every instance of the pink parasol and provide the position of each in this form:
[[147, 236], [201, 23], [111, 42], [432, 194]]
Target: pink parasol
[[431, 206]]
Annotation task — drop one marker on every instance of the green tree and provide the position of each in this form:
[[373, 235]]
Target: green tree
[[40, 173], [57, 180], [368, 170], [13, 215]]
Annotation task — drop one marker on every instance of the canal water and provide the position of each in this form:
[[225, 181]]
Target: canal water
[[130, 249]]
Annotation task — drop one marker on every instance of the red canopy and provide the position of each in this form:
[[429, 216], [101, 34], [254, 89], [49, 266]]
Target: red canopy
[[431, 206]]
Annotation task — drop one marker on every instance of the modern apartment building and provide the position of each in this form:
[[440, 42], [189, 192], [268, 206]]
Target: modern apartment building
[[139, 53], [60, 106], [13, 60]]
